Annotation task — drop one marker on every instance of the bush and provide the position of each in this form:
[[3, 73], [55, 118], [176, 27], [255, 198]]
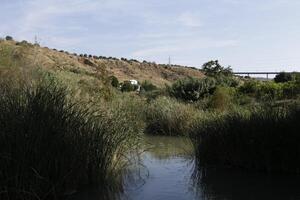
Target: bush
[[114, 81], [148, 86], [128, 87], [221, 99], [262, 90], [191, 89], [283, 77], [269, 90], [290, 90], [249, 87], [165, 116], [226, 81], [262, 140], [50, 145], [9, 38]]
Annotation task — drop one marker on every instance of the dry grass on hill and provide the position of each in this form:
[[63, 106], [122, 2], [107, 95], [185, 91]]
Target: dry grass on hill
[[23, 54]]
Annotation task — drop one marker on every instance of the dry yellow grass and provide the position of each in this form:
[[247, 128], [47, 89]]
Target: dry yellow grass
[[48, 59]]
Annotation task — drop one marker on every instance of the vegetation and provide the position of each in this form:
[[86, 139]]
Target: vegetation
[[50, 145], [283, 77], [166, 116], [213, 68], [55, 139], [148, 86], [263, 139], [128, 87], [114, 81], [191, 89], [9, 38]]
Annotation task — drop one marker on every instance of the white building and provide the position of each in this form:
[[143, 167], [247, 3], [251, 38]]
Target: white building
[[134, 82]]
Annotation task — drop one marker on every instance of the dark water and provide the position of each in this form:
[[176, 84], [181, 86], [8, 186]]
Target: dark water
[[166, 172]]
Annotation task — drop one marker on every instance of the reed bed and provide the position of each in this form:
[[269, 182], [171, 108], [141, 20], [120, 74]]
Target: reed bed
[[167, 116], [51, 145], [262, 139]]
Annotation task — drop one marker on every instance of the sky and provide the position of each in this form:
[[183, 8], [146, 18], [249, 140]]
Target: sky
[[249, 35]]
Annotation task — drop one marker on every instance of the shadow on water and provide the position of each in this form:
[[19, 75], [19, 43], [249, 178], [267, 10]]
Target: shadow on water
[[165, 171], [236, 185]]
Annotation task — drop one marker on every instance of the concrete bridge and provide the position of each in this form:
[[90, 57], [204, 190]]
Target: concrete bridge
[[258, 73]]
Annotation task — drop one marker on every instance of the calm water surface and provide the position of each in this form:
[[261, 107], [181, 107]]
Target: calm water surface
[[166, 171]]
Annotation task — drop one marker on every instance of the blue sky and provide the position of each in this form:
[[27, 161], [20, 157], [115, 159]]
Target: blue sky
[[256, 35]]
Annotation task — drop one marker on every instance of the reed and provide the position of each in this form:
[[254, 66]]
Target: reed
[[51, 145], [262, 139], [167, 116]]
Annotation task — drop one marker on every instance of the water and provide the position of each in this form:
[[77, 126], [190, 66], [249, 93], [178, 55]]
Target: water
[[166, 171], [168, 166]]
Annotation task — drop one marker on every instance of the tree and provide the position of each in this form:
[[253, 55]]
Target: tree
[[192, 89], [213, 68], [283, 77], [8, 38]]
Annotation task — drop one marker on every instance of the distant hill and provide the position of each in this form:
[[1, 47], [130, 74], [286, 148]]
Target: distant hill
[[85, 68]]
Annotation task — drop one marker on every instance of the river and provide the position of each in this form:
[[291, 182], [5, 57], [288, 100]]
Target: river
[[166, 172]]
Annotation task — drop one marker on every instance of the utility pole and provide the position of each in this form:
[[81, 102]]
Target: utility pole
[[36, 40], [169, 61]]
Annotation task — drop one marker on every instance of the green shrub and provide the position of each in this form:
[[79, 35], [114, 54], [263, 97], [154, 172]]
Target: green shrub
[[50, 145], [221, 99], [269, 90], [227, 81], [114, 81], [9, 38], [283, 77], [191, 89], [290, 90], [128, 87], [263, 90], [148, 86], [249, 87]]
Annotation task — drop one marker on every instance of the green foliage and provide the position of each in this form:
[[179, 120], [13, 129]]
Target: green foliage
[[166, 116], [269, 90], [283, 77], [226, 80], [221, 99], [9, 38], [249, 87], [114, 81], [264, 140], [261, 90], [213, 68], [50, 145], [192, 89], [128, 87], [148, 86]]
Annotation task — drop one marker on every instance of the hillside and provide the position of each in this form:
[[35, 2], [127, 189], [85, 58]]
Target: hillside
[[83, 67]]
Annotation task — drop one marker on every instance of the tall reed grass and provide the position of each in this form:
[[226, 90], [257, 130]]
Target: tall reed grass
[[264, 139], [51, 145], [167, 116]]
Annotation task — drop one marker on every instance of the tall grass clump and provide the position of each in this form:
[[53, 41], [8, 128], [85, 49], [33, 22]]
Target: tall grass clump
[[262, 139], [166, 116], [51, 145]]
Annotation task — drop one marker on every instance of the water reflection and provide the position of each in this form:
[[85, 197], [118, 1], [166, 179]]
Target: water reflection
[[165, 171], [236, 185], [168, 162]]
